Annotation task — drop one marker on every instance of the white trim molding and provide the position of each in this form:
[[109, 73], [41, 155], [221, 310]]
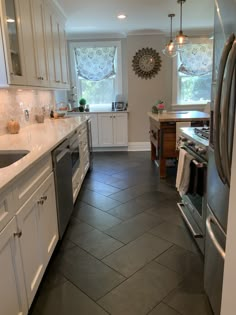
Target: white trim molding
[[139, 146], [133, 146]]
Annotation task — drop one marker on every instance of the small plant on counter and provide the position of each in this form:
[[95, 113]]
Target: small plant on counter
[[82, 103], [158, 107]]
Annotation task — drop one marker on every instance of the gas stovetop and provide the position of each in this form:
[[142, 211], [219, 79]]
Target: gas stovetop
[[202, 132]]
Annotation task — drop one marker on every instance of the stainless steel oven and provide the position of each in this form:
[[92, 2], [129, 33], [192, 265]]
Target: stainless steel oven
[[194, 204]]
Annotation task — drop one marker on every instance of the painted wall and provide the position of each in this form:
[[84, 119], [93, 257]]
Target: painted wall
[[13, 102], [142, 94]]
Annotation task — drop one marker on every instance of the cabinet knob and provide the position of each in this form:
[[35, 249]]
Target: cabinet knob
[[110, 116], [58, 81], [18, 234], [44, 198], [40, 202]]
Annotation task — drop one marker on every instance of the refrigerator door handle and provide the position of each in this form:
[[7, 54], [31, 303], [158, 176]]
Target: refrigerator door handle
[[217, 120], [225, 113], [209, 221]]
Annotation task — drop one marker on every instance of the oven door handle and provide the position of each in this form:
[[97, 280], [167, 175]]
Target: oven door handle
[[217, 245]]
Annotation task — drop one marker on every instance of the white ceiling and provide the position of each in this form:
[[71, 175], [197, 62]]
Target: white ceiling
[[143, 16]]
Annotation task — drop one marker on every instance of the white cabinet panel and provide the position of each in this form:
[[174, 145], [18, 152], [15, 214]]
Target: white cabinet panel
[[113, 129], [120, 129], [12, 290], [48, 218], [94, 129], [37, 220], [105, 129], [28, 219]]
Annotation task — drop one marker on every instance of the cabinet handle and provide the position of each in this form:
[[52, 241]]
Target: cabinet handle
[[40, 202], [44, 198], [58, 81], [18, 234], [110, 116], [114, 116]]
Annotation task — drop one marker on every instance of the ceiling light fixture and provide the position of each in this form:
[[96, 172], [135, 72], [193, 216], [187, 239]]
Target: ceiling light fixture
[[170, 49], [181, 39], [121, 16]]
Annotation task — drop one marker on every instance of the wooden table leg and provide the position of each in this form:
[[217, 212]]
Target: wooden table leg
[[162, 165]]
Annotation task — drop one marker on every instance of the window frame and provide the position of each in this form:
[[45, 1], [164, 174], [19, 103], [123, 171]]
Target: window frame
[[175, 80], [74, 77]]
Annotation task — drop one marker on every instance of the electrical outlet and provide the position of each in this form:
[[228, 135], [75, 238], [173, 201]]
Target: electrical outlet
[[27, 115]]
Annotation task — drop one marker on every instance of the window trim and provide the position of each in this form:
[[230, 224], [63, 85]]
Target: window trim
[[74, 77], [175, 82]]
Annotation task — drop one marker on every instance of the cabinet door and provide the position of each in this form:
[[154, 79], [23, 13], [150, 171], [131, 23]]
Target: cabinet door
[[12, 289], [37, 14], [64, 61], [14, 50], [120, 129], [28, 220], [105, 129], [48, 218], [94, 129], [55, 27]]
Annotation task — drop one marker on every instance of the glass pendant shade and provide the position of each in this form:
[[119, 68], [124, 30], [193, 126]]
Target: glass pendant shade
[[181, 38], [170, 49]]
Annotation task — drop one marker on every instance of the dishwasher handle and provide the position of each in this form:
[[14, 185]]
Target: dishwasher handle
[[62, 154]]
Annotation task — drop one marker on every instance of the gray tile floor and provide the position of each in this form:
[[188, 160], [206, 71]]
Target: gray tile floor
[[126, 250]]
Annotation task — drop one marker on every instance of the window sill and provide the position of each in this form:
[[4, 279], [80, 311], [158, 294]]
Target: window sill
[[200, 107]]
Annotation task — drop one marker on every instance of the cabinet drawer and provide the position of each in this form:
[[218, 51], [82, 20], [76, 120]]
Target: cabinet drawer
[[32, 179], [7, 208]]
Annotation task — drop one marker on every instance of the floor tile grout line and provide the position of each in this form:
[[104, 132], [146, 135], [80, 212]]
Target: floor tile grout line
[[172, 307]]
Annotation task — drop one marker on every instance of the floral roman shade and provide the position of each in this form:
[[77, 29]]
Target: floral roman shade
[[196, 59], [95, 63]]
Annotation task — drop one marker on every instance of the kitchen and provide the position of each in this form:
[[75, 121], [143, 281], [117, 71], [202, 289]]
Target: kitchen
[[23, 104]]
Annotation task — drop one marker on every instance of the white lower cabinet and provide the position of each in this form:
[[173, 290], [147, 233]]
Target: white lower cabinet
[[37, 221], [113, 129], [12, 287]]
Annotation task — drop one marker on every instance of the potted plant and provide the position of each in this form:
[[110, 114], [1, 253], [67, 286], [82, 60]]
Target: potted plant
[[158, 107], [82, 103]]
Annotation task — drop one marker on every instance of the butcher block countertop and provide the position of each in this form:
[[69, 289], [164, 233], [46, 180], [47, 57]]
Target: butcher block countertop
[[179, 116]]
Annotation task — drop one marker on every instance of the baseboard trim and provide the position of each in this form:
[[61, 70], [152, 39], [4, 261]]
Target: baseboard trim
[[133, 146], [139, 146]]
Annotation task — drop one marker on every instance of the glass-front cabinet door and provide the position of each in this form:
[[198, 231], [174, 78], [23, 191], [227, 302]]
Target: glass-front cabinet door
[[13, 41]]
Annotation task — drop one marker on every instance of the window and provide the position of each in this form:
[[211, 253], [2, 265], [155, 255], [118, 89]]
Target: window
[[192, 73], [97, 71]]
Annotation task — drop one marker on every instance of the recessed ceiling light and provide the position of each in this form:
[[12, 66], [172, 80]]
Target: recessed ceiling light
[[121, 16], [9, 20]]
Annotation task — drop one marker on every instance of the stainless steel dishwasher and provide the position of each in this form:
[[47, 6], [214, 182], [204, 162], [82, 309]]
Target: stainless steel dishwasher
[[63, 184]]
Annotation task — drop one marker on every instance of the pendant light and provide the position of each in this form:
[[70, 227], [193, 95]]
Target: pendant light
[[181, 39], [170, 49]]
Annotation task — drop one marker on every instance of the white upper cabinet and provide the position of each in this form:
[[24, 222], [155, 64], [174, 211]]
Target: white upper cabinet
[[33, 48], [13, 43]]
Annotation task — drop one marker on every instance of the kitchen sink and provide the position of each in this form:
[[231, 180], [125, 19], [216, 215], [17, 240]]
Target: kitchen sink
[[9, 157]]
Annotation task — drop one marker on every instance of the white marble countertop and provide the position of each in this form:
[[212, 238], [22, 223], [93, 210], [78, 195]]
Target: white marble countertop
[[179, 116], [39, 139]]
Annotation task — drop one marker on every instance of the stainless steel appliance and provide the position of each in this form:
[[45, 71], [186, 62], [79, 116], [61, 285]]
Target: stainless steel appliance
[[193, 206], [90, 143], [74, 145], [63, 184], [220, 149]]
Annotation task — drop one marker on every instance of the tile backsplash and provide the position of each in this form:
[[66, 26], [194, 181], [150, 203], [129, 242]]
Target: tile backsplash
[[13, 103]]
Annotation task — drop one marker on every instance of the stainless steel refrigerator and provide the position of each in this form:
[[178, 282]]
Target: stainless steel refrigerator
[[220, 151]]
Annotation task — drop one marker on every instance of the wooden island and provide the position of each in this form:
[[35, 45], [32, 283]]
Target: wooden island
[[163, 133]]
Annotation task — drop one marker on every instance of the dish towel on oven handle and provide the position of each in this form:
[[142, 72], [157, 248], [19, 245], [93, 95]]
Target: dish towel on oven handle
[[183, 172]]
